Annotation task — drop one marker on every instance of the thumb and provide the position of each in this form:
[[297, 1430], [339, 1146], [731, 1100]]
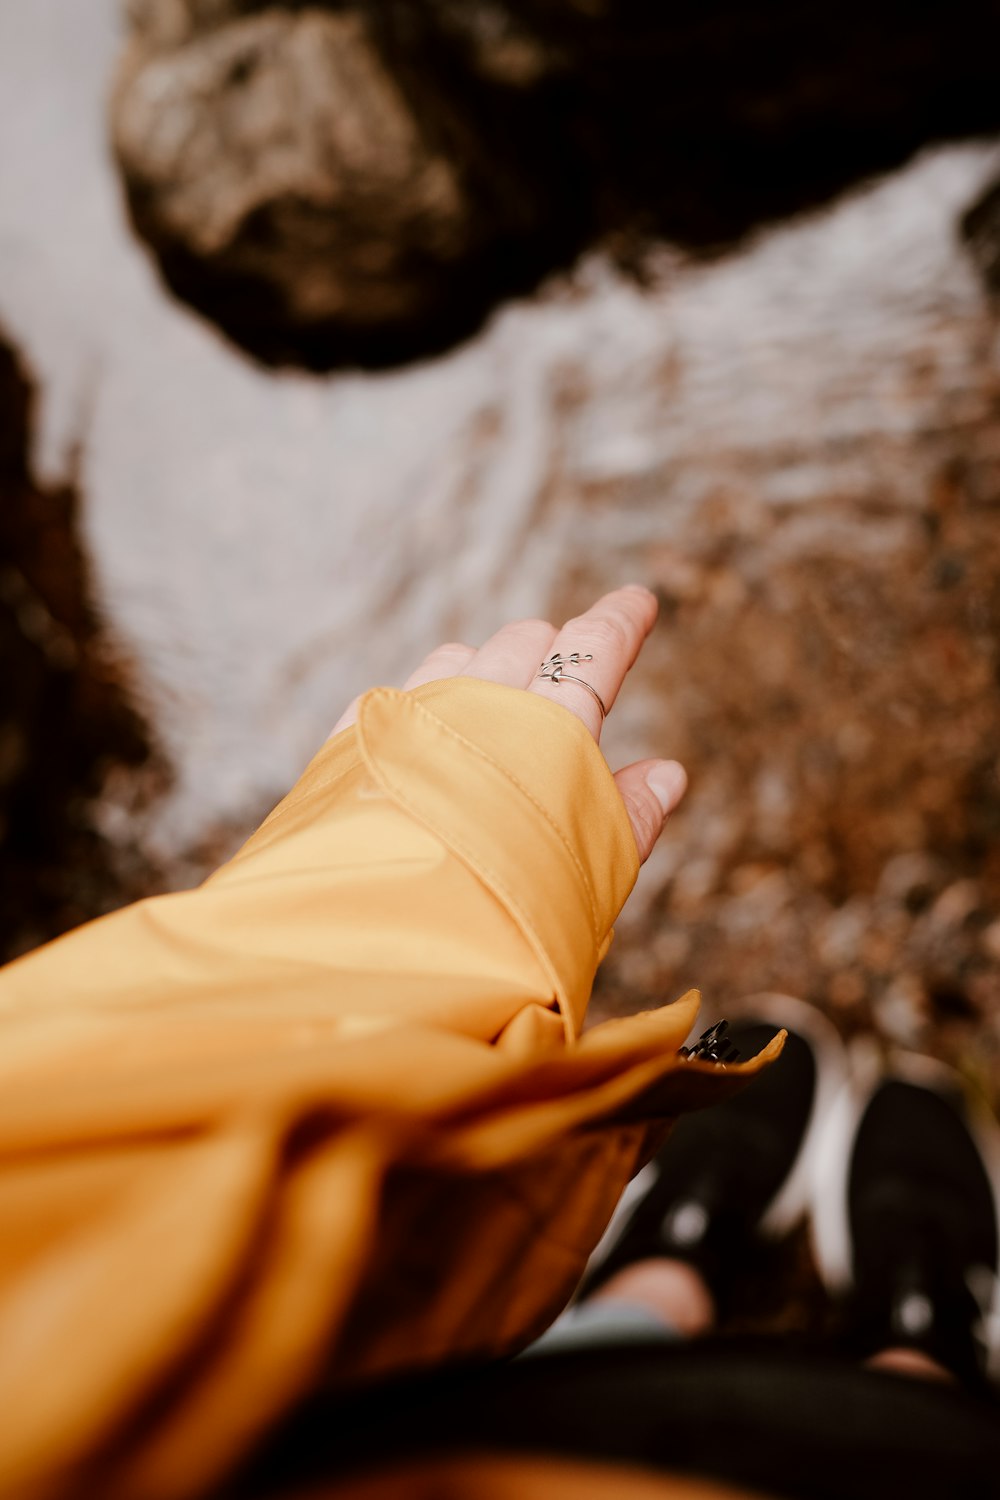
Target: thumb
[[650, 789]]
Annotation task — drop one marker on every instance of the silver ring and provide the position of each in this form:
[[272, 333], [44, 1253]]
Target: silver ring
[[554, 670]]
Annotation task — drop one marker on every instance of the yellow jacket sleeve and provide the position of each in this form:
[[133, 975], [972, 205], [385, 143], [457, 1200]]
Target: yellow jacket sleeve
[[330, 1114]]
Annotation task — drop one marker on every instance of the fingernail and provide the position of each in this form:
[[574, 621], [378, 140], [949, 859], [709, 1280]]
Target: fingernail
[[667, 780]]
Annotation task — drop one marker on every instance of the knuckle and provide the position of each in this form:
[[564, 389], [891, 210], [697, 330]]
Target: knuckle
[[609, 633], [526, 630], [643, 818]]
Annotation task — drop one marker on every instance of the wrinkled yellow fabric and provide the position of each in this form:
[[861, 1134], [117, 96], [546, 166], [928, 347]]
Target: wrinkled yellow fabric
[[330, 1114]]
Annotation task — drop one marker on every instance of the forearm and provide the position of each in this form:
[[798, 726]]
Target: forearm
[[424, 868]]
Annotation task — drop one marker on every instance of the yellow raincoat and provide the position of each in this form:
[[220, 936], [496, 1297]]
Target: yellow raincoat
[[332, 1110]]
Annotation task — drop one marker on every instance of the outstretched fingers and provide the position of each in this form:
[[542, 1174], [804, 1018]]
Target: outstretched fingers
[[443, 661], [597, 648], [605, 641], [513, 654]]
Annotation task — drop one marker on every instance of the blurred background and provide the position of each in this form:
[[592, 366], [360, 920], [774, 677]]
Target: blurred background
[[330, 331]]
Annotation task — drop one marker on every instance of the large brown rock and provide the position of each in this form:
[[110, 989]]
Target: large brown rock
[[278, 150], [365, 180], [289, 184]]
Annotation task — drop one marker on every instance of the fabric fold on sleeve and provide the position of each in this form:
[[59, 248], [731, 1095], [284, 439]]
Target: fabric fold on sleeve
[[333, 1107], [547, 834]]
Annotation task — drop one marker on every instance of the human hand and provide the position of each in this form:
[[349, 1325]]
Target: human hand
[[612, 632]]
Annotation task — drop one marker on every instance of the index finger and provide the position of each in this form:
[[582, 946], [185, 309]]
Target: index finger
[[606, 640]]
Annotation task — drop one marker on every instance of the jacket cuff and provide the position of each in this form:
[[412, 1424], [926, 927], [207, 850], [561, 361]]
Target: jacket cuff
[[517, 789]]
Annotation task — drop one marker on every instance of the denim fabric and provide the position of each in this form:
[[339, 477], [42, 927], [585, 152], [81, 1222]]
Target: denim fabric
[[604, 1320]]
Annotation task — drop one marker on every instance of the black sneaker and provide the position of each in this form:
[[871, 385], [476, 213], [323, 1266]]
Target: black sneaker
[[737, 1170], [905, 1219]]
